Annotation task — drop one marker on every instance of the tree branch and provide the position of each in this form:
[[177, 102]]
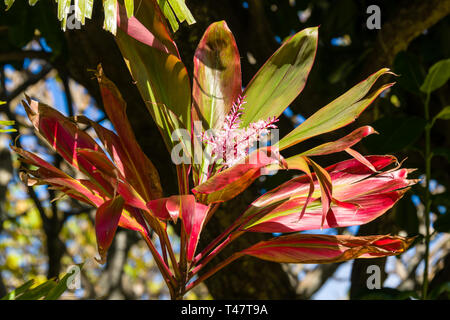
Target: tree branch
[[408, 23]]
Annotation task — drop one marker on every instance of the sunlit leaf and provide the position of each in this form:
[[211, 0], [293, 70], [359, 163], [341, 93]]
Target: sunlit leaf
[[230, 182], [358, 197], [341, 144], [281, 79], [444, 114], [338, 113], [9, 3], [110, 9], [181, 11], [307, 248], [160, 75], [18, 291], [169, 14], [106, 222], [129, 5], [217, 76], [437, 76]]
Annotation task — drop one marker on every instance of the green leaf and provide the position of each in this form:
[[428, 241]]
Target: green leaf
[[88, 11], [169, 14], [161, 77], [38, 292], [129, 5], [181, 11], [110, 8], [396, 133], [281, 79], [8, 4], [7, 123], [338, 113], [60, 288], [444, 114], [49, 290], [63, 10], [80, 10], [17, 292], [32, 2], [437, 76]]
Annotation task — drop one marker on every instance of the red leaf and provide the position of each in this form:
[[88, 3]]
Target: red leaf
[[341, 144], [65, 138], [131, 219], [171, 207], [106, 222], [192, 214], [360, 158], [232, 181], [134, 28], [138, 169], [358, 197], [326, 189], [361, 210], [193, 219], [308, 248], [299, 185]]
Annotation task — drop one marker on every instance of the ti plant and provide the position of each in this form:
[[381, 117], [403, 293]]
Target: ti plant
[[122, 183]]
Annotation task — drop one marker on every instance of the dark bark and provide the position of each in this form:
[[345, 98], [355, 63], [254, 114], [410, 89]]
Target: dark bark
[[405, 25]]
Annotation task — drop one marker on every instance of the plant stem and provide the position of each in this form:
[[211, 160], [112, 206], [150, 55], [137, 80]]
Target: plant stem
[[213, 253], [214, 270], [213, 243], [183, 188], [164, 269], [183, 260], [183, 179], [173, 259], [427, 196]]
